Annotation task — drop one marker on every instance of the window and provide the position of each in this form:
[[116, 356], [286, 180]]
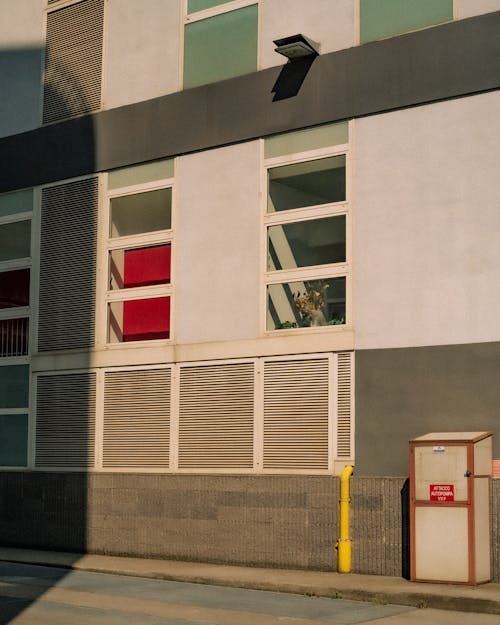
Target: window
[[220, 40], [385, 18], [139, 253], [16, 210], [306, 225]]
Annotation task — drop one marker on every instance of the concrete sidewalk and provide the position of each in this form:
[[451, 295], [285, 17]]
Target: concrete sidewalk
[[484, 598]]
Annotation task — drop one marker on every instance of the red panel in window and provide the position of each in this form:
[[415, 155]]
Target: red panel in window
[[146, 266], [15, 288], [146, 319]]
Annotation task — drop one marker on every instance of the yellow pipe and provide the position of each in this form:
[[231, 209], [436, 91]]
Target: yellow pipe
[[344, 542]]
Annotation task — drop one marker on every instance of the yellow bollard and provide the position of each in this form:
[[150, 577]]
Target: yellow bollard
[[344, 542]]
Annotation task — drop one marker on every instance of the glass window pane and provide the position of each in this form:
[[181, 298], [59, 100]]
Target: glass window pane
[[305, 243], [147, 172], [143, 266], [14, 288], [306, 184], [14, 386], [13, 440], [310, 303], [139, 320], [13, 337], [18, 202], [307, 139], [142, 212], [200, 5], [207, 44], [383, 18], [15, 240]]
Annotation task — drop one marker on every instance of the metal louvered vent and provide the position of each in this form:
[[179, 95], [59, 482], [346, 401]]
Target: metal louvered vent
[[73, 61], [137, 418], [216, 407], [65, 420], [344, 405], [67, 266], [296, 414]]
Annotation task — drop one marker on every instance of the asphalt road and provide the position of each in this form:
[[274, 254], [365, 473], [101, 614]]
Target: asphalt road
[[38, 595]]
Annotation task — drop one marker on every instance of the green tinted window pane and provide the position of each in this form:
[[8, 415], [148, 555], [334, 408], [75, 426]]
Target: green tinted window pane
[[14, 203], [308, 139], [14, 386], [220, 47], [306, 304], [306, 243], [199, 5], [141, 212], [15, 240], [13, 440], [309, 183], [149, 172], [384, 18]]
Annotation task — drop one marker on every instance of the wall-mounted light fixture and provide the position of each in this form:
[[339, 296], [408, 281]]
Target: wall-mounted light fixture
[[296, 47]]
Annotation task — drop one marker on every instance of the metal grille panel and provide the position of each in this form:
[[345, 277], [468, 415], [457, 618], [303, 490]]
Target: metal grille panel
[[296, 414], [137, 418], [73, 62], [65, 420], [344, 405], [67, 266], [216, 416]]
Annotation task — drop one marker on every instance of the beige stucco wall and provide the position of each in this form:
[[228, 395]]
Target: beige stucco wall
[[217, 236], [468, 8], [329, 22], [142, 44], [426, 222], [21, 62]]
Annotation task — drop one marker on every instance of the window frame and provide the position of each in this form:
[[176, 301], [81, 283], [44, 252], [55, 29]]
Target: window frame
[[134, 241], [295, 215], [21, 312], [197, 16]]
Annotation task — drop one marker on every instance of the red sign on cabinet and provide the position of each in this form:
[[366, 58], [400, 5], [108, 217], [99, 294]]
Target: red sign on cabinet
[[442, 492]]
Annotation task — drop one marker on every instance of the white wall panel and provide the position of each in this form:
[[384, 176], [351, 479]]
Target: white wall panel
[[21, 51], [217, 253], [426, 223], [329, 22], [468, 8], [141, 51]]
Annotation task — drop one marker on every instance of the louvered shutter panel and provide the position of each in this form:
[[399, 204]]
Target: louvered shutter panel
[[67, 266], [137, 418], [296, 414], [65, 420], [216, 408], [73, 61], [345, 365]]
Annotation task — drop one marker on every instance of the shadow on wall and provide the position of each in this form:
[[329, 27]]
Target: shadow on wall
[[45, 509]]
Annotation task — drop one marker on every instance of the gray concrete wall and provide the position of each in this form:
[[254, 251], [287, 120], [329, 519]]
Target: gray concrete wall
[[269, 520], [403, 393]]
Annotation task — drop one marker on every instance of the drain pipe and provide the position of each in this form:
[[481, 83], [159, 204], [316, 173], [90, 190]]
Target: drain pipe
[[344, 542]]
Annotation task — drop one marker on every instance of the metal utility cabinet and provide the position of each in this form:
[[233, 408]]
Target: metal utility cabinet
[[449, 507]]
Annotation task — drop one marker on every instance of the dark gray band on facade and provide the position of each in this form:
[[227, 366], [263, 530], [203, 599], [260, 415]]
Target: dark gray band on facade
[[455, 59], [404, 393]]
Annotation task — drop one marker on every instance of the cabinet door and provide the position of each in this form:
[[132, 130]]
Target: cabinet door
[[441, 465]]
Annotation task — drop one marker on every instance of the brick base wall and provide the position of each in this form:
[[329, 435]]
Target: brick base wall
[[269, 520]]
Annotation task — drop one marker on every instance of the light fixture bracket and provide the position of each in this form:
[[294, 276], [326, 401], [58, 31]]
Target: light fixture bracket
[[296, 47]]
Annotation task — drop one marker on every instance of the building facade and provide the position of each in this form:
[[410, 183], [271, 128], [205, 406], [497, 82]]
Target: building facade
[[225, 276]]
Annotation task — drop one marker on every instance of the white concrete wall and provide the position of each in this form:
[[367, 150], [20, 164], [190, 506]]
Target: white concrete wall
[[468, 8], [21, 61], [142, 47], [426, 225], [217, 236], [329, 22]]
